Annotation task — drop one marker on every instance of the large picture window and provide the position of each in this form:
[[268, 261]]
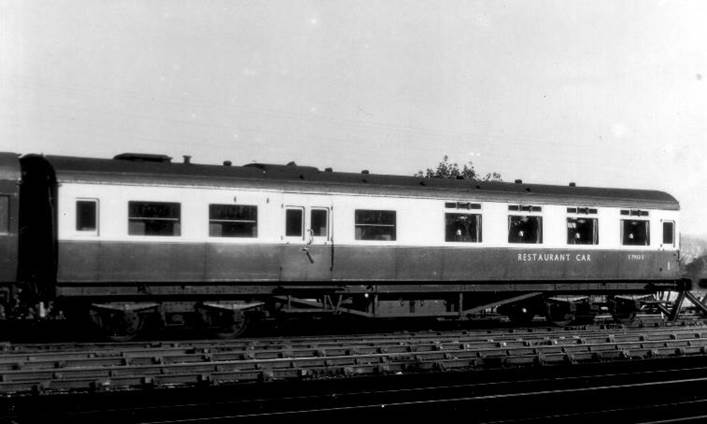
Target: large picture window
[[582, 231], [635, 232], [375, 225], [233, 221], [154, 219], [525, 229], [462, 227]]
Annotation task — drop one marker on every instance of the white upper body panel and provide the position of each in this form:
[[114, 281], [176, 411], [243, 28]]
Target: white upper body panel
[[419, 221]]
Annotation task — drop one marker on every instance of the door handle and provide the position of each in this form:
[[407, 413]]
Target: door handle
[[305, 249]]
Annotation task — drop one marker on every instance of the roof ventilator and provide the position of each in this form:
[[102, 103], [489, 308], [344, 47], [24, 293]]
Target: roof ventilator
[[143, 157]]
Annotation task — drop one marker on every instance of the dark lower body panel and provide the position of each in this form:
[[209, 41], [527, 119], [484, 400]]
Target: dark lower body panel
[[88, 261], [175, 279], [129, 269]]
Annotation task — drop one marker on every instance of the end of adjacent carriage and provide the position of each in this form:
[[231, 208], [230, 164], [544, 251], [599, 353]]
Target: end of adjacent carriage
[[10, 176]]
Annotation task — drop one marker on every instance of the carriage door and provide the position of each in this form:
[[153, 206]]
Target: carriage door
[[307, 252]]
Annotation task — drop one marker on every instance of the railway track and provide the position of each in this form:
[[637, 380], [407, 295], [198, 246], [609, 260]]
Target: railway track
[[586, 396], [58, 368], [547, 374], [641, 391], [498, 329]]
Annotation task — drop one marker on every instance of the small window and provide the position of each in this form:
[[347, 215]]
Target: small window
[[319, 222], [86, 215], [522, 208], [525, 229], [634, 212], [582, 231], [154, 219], [583, 211], [293, 222], [375, 225], [462, 205], [4, 214], [462, 227], [669, 233], [635, 232], [233, 221]]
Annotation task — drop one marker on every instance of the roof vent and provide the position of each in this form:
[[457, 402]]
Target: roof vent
[[291, 167], [227, 163], [365, 171], [519, 181], [572, 184], [187, 159], [143, 157]]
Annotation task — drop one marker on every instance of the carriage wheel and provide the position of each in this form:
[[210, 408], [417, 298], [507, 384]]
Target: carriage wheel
[[560, 314], [623, 311], [521, 315], [224, 324], [118, 326]]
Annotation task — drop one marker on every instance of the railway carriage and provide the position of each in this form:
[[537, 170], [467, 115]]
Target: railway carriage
[[138, 236]]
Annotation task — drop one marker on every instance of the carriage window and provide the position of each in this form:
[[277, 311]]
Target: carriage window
[[525, 229], [635, 232], [293, 222], [233, 221], [462, 227], [319, 222], [86, 215], [4, 214], [582, 231], [154, 219], [375, 225], [669, 232]]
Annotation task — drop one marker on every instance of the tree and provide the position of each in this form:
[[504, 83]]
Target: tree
[[447, 169]]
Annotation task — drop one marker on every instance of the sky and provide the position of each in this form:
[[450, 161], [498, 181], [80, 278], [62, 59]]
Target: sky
[[604, 93]]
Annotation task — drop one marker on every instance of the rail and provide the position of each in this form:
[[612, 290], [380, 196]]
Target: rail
[[33, 368]]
